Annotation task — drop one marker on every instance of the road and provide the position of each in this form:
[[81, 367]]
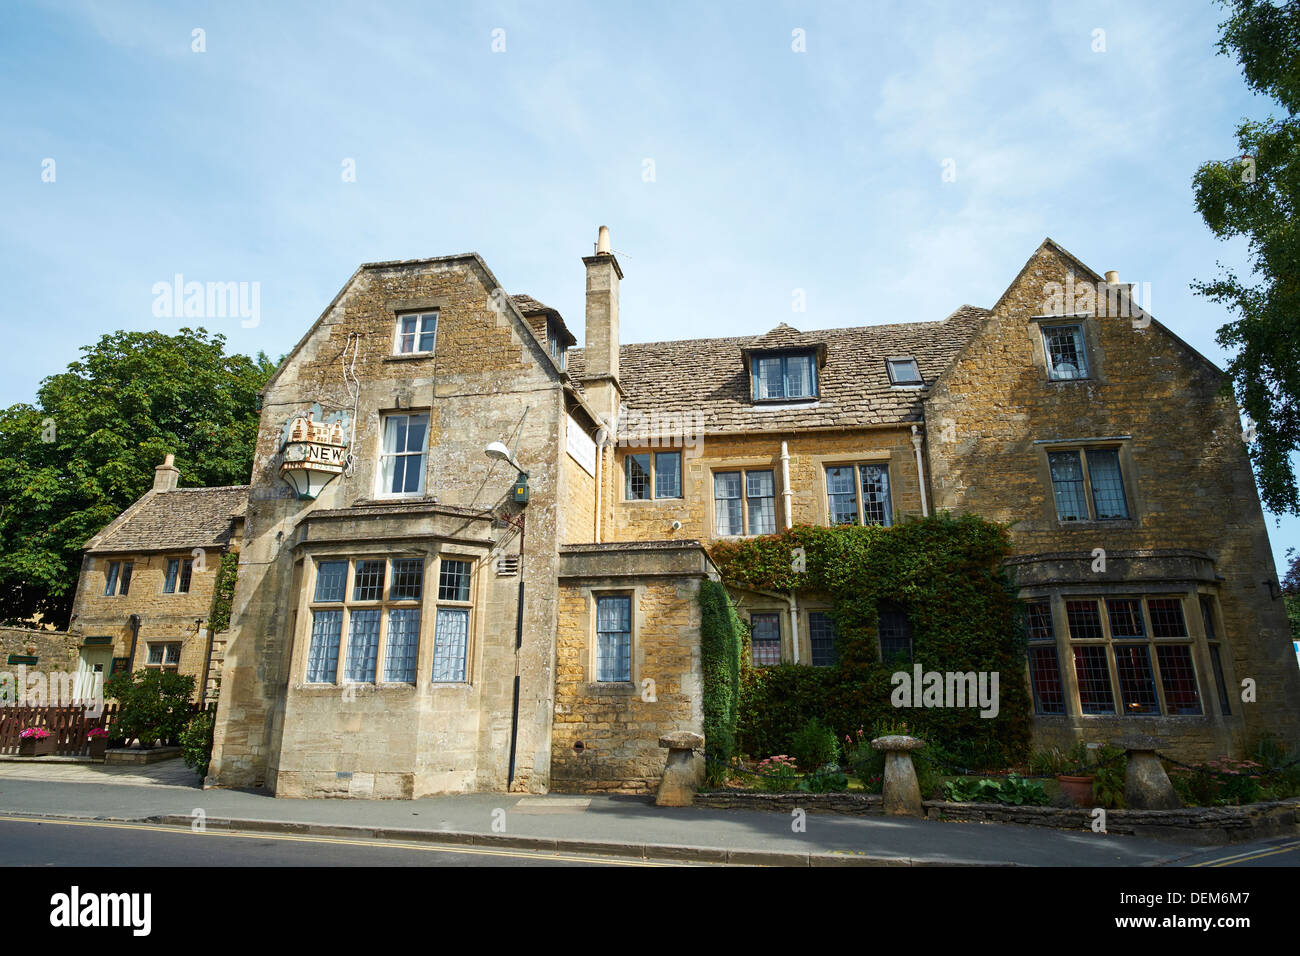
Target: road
[[88, 843]]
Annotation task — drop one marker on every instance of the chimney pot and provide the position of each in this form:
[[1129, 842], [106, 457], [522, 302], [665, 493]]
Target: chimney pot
[[602, 241], [1112, 277]]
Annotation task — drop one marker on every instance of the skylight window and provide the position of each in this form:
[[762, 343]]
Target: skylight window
[[904, 371]]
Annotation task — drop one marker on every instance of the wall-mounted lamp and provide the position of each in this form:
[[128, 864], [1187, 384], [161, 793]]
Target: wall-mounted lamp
[[498, 451]]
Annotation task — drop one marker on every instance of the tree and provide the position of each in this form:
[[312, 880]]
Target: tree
[[73, 461], [1291, 593], [1256, 196]]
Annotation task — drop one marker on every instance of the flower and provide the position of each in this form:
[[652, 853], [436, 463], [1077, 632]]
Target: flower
[[34, 733], [97, 732]]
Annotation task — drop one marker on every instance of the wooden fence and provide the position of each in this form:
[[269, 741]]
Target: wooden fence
[[68, 724]]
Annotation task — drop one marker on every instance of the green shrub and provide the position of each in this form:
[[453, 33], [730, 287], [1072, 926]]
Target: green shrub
[[196, 742], [721, 639], [827, 779], [1013, 791], [1108, 779], [814, 746], [153, 705]]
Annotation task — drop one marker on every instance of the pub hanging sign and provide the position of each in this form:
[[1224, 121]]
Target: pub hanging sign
[[313, 449]]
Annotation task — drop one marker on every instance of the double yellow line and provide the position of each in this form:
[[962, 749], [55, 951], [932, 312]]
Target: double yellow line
[[342, 841], [1251, 855]]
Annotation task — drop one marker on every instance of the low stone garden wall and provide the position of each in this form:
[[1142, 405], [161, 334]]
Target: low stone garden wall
[[1203, 826], [859, 804]]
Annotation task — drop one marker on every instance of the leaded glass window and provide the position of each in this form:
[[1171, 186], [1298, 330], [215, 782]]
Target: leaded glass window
[[727, 503], [765, 638], [1066, 357], [450, 645], [760, 489], [613, 638]]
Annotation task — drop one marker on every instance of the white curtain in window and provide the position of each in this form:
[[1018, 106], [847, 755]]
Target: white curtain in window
[[450, 642]]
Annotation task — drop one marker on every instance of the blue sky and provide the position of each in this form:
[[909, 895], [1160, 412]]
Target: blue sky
[[773, 170]]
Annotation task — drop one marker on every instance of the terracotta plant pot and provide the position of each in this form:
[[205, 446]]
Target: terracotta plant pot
[[1078, 789], [36, 747]]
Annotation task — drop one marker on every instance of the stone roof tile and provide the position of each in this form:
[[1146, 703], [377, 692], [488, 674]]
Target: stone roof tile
[[709, 377], [175, 520]]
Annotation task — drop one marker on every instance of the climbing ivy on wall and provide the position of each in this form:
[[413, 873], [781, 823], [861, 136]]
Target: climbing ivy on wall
[[946, 574], [223, 594], [721, 644]]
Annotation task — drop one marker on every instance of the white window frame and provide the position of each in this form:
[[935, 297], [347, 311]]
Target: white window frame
[[383, 478], [165, 648], [399, 335]]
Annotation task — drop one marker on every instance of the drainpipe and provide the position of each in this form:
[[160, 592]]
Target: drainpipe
[[794, 626], [135, 637], [519, 643], [920, 471], [786, 491], [600, 468]]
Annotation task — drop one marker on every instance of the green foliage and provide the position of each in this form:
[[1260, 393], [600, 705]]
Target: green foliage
[[224, 592], [1013, 791], [814, 745], [1270, 773], [155, 705], [827, 779], [721, 640], [1108, 780], [1255, 195], [196, 742], [87, 448], [1291, 592], [946, 572]]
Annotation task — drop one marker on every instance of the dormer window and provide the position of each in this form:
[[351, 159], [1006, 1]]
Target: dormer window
[[904, 371], [556, 345], [783, 376]]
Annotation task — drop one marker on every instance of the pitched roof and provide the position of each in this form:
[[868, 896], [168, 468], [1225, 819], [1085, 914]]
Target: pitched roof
[[710, 375], [175, 520], [530, 307]]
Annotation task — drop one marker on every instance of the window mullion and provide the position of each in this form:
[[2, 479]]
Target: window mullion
[[1088, 501]]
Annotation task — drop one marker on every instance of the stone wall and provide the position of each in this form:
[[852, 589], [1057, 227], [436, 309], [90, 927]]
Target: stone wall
[[810, 452], [606, 736], [164, 618], [487, 369], [989, 421], [53, 650]]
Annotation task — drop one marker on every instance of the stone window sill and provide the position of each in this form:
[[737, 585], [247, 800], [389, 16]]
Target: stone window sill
[[408, 357]]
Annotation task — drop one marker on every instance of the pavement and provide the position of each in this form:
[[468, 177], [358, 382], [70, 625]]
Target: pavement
[[626, 826]]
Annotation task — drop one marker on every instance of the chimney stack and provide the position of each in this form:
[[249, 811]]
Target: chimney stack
[[601, 346], [167, 475]]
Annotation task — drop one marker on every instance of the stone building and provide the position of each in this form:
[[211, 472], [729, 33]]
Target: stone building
[[147, 581], [470, 553]]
